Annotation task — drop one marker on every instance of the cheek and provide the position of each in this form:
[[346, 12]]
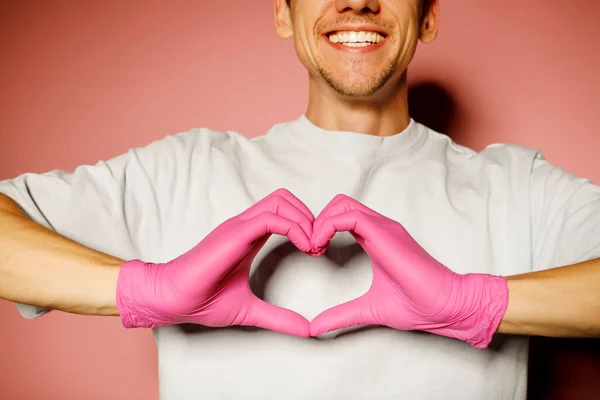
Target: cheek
[[301, 51], [305, 47], [408, 46]]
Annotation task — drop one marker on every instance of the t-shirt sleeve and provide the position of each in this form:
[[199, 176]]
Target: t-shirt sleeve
[[115, 206], [565, 211]]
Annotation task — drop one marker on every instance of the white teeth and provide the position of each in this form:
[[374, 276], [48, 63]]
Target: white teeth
[[356, 39]]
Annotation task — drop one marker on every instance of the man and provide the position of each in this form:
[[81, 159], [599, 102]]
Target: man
[[438, 243]]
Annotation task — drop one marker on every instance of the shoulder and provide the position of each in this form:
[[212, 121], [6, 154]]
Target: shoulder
[[192, 144], [195, 139], [506, 157]]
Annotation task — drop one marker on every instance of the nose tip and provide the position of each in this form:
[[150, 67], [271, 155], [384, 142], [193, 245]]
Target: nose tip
[[359, 6]]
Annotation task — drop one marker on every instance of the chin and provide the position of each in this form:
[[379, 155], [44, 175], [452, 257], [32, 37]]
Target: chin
[[356, 83], [356, 92], [356, 86]]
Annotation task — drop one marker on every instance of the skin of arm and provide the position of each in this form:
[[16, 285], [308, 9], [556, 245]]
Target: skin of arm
[[42, 268], [559, 302]]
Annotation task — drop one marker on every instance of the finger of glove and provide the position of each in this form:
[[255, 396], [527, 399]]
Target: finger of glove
[[282, 206], [353, 313], [299, 204], [353, 222], [271, 223], [278, 319], [339, 205]]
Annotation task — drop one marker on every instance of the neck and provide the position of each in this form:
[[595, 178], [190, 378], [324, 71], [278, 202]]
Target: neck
[[383, 114]]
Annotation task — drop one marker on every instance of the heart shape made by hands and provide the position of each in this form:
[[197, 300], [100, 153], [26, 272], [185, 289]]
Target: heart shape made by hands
[[208, 285]]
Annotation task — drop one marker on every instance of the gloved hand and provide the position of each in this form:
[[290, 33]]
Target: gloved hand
[[209, 285], [410, 289]]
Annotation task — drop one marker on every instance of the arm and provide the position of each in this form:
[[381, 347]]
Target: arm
[[561, 297], [559, 302], [413, 291], [44, 269], [60, 274], [63, 234], [103, 213]]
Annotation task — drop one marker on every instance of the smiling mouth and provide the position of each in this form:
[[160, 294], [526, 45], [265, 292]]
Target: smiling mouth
[[356, 38]]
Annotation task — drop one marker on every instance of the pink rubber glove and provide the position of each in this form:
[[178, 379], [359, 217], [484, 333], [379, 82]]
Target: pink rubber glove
[[410, 289], [209, 285]]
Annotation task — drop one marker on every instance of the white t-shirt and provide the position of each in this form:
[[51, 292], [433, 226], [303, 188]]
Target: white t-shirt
[[504, 210]]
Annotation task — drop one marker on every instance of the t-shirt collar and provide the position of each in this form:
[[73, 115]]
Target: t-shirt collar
[[304, 133]]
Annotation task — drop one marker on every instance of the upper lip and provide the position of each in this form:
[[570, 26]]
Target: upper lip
[[357, 28]]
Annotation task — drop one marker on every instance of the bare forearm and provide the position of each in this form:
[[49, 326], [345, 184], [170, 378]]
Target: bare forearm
[[560, 302], [42, 268]]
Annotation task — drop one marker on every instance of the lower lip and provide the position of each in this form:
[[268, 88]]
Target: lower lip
[[356, 49]]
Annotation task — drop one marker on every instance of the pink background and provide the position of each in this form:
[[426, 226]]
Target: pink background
[[86, 80]]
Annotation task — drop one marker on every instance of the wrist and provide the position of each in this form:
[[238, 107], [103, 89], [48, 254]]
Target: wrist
[[475, 309], [107, 281], [89, 291], [135, 295], [489, 306]]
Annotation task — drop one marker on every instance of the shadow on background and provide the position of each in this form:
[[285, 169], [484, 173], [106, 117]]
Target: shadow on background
[[564, 369], [559, 369], [437, 108], [433, 106]]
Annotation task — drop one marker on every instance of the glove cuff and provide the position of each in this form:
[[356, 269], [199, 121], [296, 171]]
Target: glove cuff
[[491, 310], [136, 279]]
